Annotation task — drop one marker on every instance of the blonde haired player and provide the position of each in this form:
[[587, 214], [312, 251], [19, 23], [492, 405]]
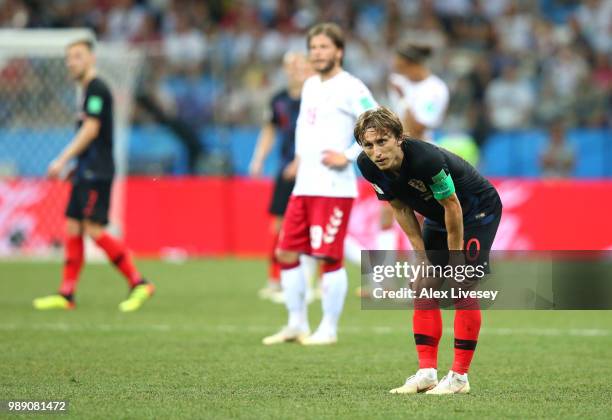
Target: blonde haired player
[[319, 208]]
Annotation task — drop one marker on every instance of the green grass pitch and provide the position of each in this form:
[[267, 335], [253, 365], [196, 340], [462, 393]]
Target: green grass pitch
[[194, 352]]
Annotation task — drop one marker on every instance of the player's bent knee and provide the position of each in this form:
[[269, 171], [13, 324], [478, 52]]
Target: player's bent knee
[[93, 230], [73, 227]]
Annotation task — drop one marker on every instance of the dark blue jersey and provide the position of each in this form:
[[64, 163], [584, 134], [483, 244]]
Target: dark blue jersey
[[422, 165], [96, 161], [285, 110]]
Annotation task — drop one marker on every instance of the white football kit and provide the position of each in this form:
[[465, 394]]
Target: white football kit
[[427, 100], [328, 112]]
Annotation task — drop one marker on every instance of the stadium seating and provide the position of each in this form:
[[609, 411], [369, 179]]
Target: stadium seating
[[153, 149]]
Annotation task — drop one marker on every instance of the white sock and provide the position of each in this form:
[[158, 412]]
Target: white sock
[[335, 285], [352, 250], [309, 268], [294, 289]]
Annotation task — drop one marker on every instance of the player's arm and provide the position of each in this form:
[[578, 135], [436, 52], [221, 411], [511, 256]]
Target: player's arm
[[414, 128], [443, 189], [339, 160], [408, 222], [426, 112], [85, 135], [357, 103], [453, 220], [290, 171], [265, 142]]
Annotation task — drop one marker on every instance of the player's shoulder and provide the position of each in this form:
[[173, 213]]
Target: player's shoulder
[[434, 82], [412, 143], [98, 86], [311, 81], [399, 80], [367, 167], [351, 80], [280, 95], [419, 152]]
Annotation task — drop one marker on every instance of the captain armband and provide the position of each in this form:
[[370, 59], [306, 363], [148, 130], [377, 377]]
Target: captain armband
[[442, 186]]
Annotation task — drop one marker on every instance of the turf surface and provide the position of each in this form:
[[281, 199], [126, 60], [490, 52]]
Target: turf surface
[[194, 352]]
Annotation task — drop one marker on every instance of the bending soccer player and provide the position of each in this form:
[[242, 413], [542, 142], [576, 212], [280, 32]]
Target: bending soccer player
[[317, 215], [462, 211], [87, 211]]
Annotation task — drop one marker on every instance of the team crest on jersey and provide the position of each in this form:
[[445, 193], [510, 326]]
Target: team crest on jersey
[[417, 184]]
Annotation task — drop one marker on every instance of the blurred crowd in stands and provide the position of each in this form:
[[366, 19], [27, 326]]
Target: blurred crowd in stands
[[510, 64]]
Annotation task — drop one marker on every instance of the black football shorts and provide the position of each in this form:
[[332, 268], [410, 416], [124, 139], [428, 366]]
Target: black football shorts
[[477, 243], [90, 200]]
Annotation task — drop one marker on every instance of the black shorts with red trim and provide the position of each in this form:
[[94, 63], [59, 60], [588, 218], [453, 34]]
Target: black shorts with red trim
[[477, 243], [90, 200]]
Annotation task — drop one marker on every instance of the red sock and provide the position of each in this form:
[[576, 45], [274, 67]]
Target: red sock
[[118, 254], [74, 256], [467, 327], [427, 328], [274, 266]]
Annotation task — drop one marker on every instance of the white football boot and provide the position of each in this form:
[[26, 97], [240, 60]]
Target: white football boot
[[286, 335], [423, 380], [453, 383], [320, 338], [277, 297], [269, 291]]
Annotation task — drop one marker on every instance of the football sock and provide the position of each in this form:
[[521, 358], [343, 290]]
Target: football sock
[[427, 328], [74, 257], [274, 272], [310, 267], [118, 254], [467, 327], [294, 289], [334, 285]]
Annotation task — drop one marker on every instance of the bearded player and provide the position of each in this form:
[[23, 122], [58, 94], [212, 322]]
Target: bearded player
[[462, 211], [317, 215], [87, 211]]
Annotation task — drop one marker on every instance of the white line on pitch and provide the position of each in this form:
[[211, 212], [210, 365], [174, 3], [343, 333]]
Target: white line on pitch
[[239, 329]]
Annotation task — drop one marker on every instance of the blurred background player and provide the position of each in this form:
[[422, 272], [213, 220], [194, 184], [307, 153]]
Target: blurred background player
[[557, 160], [87, 211], [319, 208], [417, 95], [462, 211], [284, 110]]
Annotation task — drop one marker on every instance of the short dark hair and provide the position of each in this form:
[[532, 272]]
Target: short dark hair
[[380, 119], [330, 30], [413, 52], [87, 42]]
